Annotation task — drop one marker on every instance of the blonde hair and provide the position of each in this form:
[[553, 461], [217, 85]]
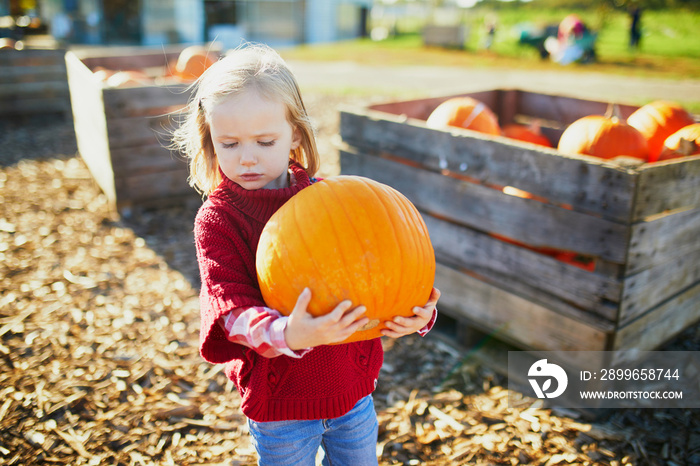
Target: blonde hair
[[256, 67]]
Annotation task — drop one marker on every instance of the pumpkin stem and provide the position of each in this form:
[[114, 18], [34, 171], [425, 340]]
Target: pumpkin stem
[[613, 111], [535, 126]]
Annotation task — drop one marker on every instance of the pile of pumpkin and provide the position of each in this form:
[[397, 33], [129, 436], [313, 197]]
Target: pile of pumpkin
[[189, 66], [660, 130]]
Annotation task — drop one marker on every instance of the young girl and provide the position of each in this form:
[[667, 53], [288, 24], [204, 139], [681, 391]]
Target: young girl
[[251, 147]]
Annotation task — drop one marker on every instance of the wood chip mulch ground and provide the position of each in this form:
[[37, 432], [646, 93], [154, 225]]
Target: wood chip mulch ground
[[99, 347]]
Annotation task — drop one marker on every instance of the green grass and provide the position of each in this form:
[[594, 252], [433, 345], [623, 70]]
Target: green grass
[[670, 47]]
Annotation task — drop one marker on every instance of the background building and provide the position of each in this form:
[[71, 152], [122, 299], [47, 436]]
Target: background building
[[155, 22]]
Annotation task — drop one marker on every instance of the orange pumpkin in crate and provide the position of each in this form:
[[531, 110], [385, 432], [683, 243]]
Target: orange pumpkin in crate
[[658, 120], [464, 112], [193, 61], [603, 136], [8, 44], [128, 78], [526, 133], [682, 143], [347, 237]]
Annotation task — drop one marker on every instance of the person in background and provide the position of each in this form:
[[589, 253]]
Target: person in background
[[635, 25]]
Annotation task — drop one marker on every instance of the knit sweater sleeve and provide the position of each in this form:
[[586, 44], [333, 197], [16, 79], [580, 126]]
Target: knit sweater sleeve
[[227, 271]]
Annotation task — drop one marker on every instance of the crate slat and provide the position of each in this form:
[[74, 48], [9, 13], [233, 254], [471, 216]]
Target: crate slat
[[508, 263], [90, 124], [139, 131], [663, 238], [14, 74], [158, 187], [145, 159], [47, 89], [144, 101], [562, 109], [667, 186], [650, 287], [27, 106], [32, 57], [657, 326], [129, 58], [515, 317]]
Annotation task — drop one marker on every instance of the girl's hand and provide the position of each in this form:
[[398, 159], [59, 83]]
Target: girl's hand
[[306, 331], [401, 326]]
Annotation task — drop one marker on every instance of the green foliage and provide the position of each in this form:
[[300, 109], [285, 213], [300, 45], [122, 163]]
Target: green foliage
[[612, 4]]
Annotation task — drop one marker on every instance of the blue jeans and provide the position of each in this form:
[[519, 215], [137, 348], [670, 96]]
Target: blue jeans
[[349, 440]]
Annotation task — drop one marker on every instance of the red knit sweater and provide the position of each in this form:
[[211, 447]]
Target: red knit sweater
[[327, 381]]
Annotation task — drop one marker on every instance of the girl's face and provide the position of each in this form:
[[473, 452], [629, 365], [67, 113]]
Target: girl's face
[[253, 140]]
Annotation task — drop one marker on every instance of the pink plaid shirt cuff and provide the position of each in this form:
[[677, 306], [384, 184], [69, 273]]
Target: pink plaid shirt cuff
[[424, 331], [261, 329]]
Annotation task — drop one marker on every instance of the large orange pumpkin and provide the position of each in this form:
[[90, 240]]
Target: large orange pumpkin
[[464, 112], [682, 143], [193, 61], [347, 237], [603, 136], [658, 120]]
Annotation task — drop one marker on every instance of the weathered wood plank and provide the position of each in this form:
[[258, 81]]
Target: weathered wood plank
[[534, 223], [516, 318], [513, 265], [662, 323], [654, 285], [564, 109], [667, 186], [139, 131], [35, 106], [144, 187], [20, 74], [15, 91], [128, 58], [658, 240], [585, 183], [90, 124], [144, 100], [133, 57], [145, 159], [32, 57]]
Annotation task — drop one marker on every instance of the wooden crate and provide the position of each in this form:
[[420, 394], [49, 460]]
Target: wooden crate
[[640, 225], [33, 82], [123, 133]]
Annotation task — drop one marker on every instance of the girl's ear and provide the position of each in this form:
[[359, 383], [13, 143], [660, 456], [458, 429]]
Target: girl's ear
[[296, 138]]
